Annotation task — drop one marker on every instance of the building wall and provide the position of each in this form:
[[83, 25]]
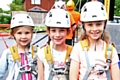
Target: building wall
[[45, 4]]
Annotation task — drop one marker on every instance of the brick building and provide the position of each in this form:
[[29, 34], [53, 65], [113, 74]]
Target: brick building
[[38, 5]]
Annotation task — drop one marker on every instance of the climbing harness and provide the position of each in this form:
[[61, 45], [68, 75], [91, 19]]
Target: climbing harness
[[57, 70], [21, 69], [108, 54]]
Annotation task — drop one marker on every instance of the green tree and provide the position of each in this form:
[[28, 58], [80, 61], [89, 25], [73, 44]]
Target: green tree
[[4, 19], [117, 8], [16, 5], [7, 11], [1, 10]]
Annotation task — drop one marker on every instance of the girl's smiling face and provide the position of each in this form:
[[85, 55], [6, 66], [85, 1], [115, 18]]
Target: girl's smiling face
[[95, 29], [23, 35], [58, 35]]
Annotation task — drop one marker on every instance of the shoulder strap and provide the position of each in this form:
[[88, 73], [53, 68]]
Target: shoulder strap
[[108, 56], [69, 49], [34, 50], [48, 55], [84, 43], [109, 50], [14, 53]]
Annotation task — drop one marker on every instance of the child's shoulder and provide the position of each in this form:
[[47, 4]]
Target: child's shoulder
[[6, 51]]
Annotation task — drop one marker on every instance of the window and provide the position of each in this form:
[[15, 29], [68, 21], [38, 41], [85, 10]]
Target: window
[[38, 2]]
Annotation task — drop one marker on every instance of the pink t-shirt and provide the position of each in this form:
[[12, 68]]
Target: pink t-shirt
[[95, 57]]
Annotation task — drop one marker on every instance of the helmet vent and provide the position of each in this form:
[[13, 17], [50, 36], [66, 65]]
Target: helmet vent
[[50, 14], [28, 17], [102, 8], [85, 9], [66, 15], [13, 18]]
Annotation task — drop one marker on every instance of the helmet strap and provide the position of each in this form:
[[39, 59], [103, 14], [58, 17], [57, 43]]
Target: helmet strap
[[84, 31]]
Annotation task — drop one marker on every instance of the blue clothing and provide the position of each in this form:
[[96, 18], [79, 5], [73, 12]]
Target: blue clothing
[[119, 64], [7, 63]]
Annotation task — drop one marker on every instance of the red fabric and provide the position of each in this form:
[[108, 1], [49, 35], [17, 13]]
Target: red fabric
[[22, 63]]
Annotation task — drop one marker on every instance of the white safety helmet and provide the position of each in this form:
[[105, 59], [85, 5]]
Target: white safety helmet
[[59, 5], [93, 11], [21, 20], [57, 18]]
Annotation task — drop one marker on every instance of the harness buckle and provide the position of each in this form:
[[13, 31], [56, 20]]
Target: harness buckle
[[108, 60], [22, 69], [60, 71]]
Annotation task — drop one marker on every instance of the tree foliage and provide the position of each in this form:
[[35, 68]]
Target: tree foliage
[[16, 5], [4, 19], [1, 10], [117, 8]]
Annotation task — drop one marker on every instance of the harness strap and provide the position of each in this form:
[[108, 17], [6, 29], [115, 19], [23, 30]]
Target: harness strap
[[16, 58], [15, 54], [108, 55], [50, 67], [48, 55], [90, 68], [108, 61]]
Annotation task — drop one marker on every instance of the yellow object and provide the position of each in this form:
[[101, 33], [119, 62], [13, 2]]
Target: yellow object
[[84, 43], [70, 5], [107, 6], [16, 55], [48, 55]]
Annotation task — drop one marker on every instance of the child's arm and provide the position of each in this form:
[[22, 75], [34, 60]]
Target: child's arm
[[3, 64], [40, 69], [74, 70], [115, 72]]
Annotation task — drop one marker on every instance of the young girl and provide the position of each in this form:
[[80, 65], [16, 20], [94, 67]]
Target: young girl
[[93, 58], [19, 59], [60, 4], [53, 59]]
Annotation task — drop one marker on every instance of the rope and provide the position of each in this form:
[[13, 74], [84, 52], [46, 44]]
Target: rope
[[4, 42]]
